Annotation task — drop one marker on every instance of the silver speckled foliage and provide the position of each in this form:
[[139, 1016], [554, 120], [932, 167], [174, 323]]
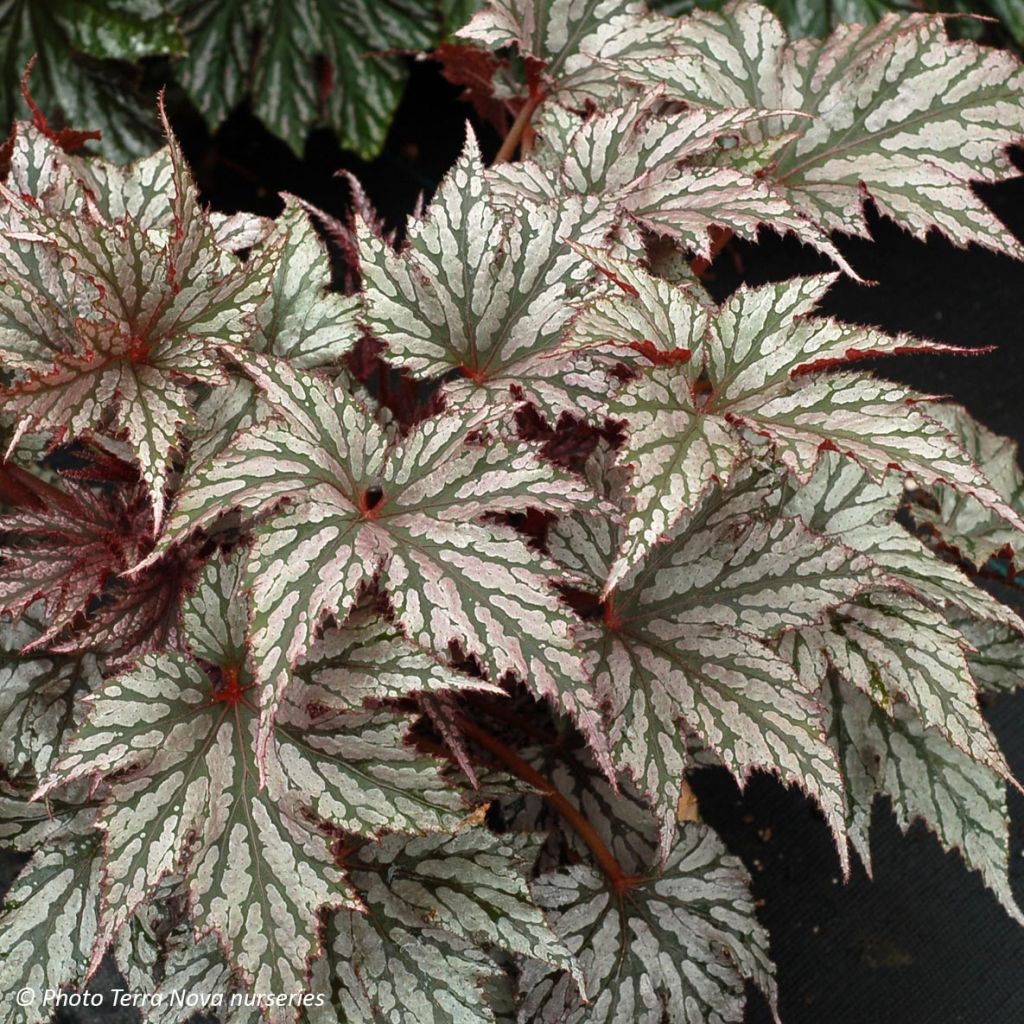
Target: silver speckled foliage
[[355, 649]]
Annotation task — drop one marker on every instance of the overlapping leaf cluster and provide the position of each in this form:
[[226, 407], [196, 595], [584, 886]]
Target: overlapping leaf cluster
[[803, 19], [390, 709], [297, 65]]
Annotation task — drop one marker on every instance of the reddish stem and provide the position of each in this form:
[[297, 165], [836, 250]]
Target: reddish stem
[[519, 125], [25, 490], [619, 880]]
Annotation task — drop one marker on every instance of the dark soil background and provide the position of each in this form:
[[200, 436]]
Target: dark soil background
[[923, 942]]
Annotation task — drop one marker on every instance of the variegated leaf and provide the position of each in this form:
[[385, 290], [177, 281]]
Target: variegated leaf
[[257, 873], [877, 423], [199, 972], [80, 53], [896, 650], [504, 611], [359, 505], [735, 581], [545, 31], [177, 974], [140, 615], [620, 151], [284, 82], [485, 292], [572, 39], [630, 160], [151, 408], [413, 957], [963, 802], [385, 967], [369, 658], [960, 520], [841, 500], [146, 285], [39, 697], [177, 744], [901, 654], [240, 232], [684, 641], [218, 416], [645, 313], [676, 453], [676, 945], [49, 924], [213, 616], [754, 363], [897, 114], [36, 164], [616, 811], [27, 825], [302, 319], [354, 772], [819, 20], [689, 203], [472, 884], [996, 655], [23, 824], [65, 554]]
